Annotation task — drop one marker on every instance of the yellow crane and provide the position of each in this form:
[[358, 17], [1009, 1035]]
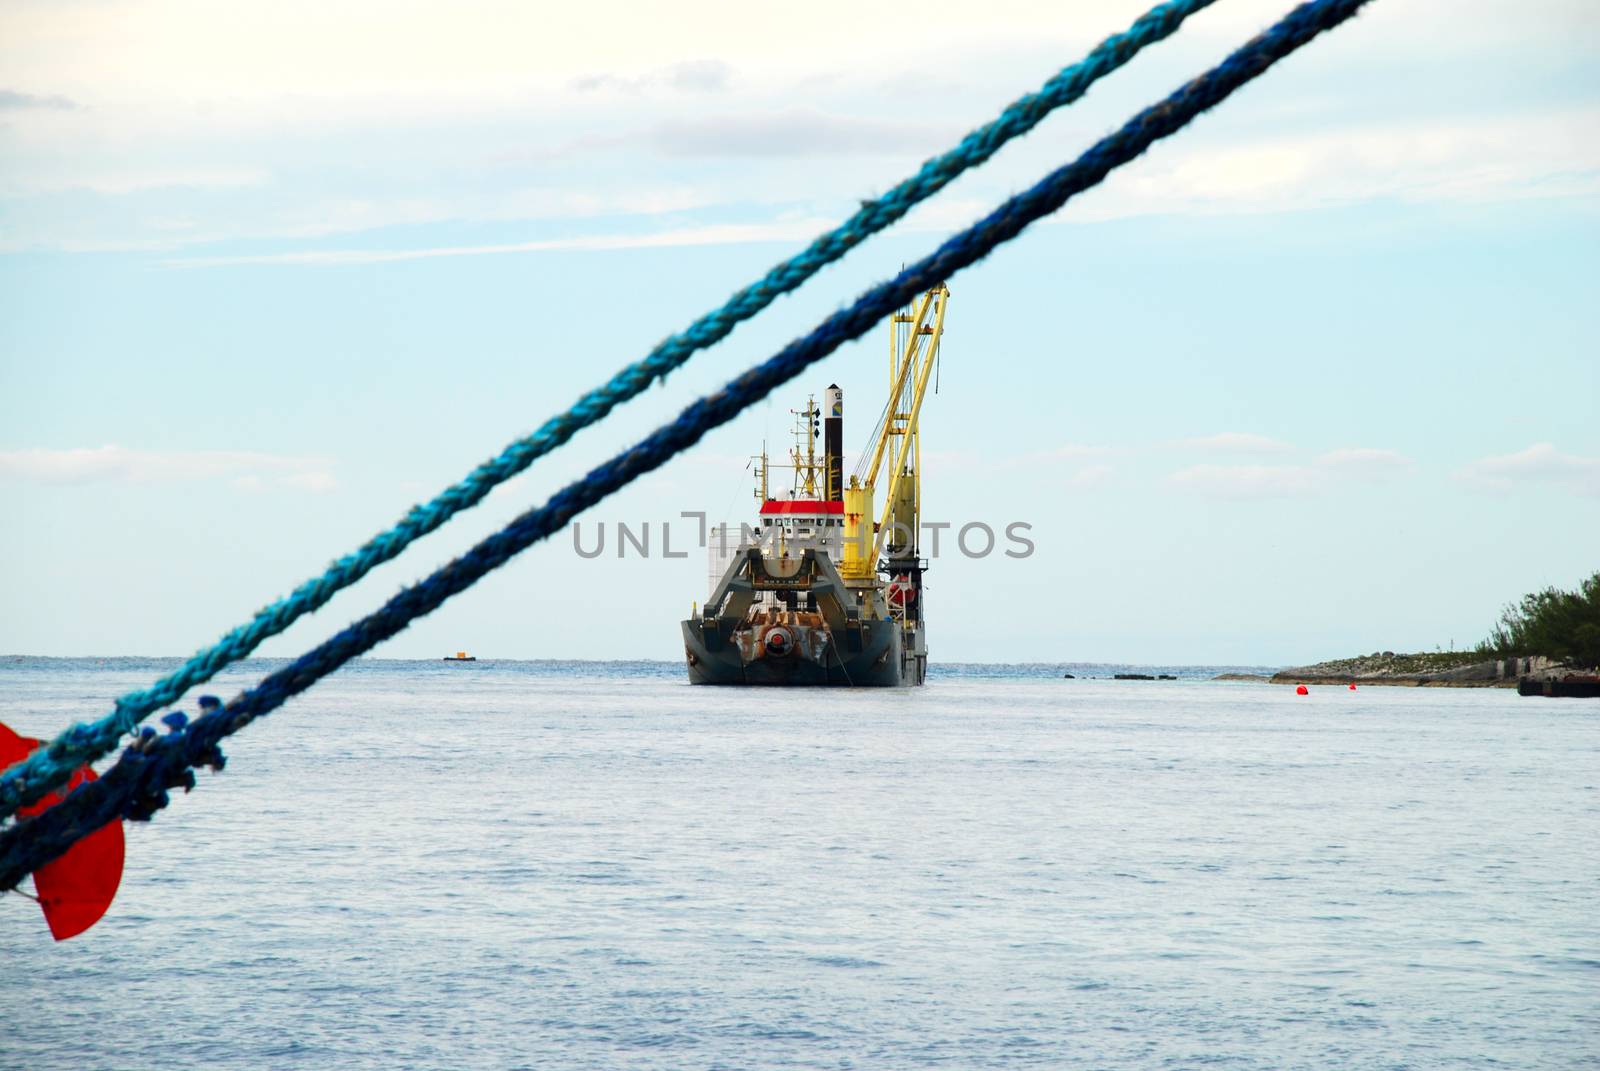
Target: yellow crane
[[896, 449]]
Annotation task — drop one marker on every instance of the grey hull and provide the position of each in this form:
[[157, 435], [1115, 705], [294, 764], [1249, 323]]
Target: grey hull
[[718, 656]]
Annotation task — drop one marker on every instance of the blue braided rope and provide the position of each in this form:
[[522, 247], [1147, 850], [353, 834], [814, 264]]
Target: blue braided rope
[[138, 784], [52, 765]]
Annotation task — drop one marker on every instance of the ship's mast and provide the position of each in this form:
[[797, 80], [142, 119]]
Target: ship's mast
[[761, 464], [804, 452]]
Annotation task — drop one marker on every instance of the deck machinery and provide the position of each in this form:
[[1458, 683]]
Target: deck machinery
[[826, 590]]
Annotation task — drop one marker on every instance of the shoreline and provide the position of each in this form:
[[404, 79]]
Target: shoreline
[[1436, 670]]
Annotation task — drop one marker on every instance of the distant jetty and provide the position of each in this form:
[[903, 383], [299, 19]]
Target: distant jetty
[[1565, 625], [1456, 669]]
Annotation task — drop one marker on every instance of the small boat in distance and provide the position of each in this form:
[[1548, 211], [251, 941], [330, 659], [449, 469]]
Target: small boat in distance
[[460, 656]]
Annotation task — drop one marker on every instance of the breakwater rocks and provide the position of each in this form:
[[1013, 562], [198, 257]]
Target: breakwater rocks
[[1445, 670], [1132, 677]]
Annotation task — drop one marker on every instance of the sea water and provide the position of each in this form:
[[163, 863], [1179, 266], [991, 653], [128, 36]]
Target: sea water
[[586, 865]]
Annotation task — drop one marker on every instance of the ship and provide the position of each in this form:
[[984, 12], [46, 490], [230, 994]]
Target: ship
[[824, 590]]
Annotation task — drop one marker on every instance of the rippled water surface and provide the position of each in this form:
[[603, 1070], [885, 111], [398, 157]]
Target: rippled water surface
[[515, 865]]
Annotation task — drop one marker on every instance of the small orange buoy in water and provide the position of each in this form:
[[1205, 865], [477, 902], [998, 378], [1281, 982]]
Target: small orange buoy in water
[[1301, 689]]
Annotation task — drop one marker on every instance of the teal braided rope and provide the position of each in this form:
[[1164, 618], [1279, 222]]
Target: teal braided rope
[[52, 765], [138, 784]]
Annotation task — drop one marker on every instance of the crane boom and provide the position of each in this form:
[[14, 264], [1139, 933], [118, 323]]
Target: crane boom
[[898, 524], [901, 369]]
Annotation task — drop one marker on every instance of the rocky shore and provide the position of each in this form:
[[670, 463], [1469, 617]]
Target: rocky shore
[[1440, 669]]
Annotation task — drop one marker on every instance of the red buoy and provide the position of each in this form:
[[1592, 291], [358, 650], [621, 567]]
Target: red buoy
[[77, 887], [1352, 686], [1301, 689]]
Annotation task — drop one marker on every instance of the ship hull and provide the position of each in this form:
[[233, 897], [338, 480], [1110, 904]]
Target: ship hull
[[715, 656]]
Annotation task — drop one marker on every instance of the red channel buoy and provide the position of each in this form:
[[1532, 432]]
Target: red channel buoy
[[1301, 689], [1352, 687]]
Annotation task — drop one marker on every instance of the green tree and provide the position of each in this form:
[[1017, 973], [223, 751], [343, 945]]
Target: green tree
[[1563, 625]]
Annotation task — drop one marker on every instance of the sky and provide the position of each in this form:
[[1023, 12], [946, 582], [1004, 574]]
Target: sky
[[1316, 377]]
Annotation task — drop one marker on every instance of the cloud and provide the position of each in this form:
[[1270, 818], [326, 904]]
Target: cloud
[[1540, 463], [795, 133], [408, 116], [1247, 481], [333, 217], [699, 76], [1364, 462], [122, 181], [1092, 476], [1327, 470], [1471, 161], [1080, 457], [316, 481], [1067, 452], [1236, 442], [694, 76], [11, 100], [714, 234], [118, 464]]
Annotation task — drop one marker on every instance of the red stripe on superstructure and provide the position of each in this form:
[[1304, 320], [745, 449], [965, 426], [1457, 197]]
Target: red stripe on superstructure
[[800, 505]]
